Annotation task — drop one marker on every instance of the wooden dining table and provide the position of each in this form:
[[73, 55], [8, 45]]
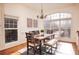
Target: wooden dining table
[[42, 38]]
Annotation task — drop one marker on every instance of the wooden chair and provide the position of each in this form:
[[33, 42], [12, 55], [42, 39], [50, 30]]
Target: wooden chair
[[51, 46], [37, 32], [49, 38], [31, 43]]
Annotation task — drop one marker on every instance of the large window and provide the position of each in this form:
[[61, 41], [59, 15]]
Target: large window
[[58, 22], [11, 32]]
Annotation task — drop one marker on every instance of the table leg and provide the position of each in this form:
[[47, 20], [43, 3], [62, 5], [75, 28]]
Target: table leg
[[27, 48], [40, 48]]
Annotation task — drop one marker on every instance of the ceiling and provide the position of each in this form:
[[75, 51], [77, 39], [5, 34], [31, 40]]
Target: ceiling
[[47, 7], [37, 6]]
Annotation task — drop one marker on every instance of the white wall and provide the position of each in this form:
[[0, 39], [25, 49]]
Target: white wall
[[1, 27], [22, 13]]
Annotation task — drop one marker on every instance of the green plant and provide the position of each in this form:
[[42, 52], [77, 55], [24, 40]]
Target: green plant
[[42, 30]]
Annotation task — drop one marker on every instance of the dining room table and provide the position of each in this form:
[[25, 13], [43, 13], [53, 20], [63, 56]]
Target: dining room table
[[41, 38]]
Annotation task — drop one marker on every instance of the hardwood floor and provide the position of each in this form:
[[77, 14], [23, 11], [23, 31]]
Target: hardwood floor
[[75, 48], [65, 48], [12, 49]]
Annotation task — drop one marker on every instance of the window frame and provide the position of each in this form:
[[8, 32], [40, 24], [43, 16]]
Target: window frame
[[12, 28]]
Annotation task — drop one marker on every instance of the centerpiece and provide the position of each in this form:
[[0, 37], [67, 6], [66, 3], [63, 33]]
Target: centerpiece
[[42, 32]]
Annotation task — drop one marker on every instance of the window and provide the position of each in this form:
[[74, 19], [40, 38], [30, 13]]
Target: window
[[10, 23], [58, 22], [11, 32], [10, 35]]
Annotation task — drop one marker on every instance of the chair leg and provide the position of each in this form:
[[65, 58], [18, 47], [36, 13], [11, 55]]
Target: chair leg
[[51, 49], [56, 45], [34, 51], [27, 51], [45, 48]]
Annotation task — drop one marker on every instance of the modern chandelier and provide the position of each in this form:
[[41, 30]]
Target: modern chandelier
[[41, 16]]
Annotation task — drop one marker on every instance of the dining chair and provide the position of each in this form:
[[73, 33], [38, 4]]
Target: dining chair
[[32, 44], [37, 32], [51, 46], [49, 38]]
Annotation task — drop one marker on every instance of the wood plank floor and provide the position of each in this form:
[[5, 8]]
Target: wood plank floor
[[75, 48], [14, 49], [65, 48]]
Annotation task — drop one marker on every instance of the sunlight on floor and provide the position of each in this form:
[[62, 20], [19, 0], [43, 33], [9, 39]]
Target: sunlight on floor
[[65, 49]]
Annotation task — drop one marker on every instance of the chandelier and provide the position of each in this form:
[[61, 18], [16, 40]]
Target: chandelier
[[42, 16]]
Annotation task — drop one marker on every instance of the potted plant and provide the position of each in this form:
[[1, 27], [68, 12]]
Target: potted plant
[[42, 32]]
